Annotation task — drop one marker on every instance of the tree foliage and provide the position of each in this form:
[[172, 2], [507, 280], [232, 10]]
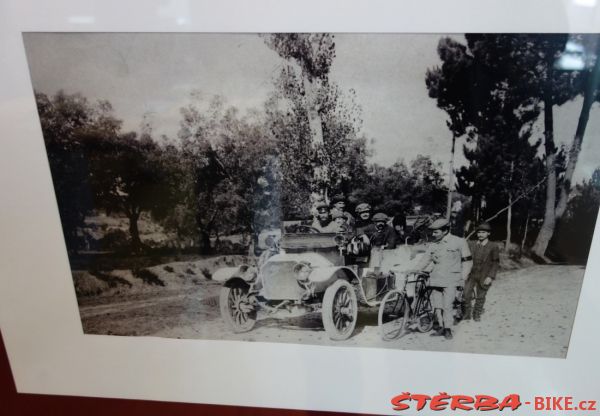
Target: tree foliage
[[313, 53], [493, 88], [345, 148], [65, 120], [413, 189]]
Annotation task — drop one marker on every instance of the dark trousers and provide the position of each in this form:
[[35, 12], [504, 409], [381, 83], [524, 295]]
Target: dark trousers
[[481, 289]]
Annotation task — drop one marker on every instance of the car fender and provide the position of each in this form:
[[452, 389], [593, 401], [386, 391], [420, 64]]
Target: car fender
[[244, 272], [326, 275]]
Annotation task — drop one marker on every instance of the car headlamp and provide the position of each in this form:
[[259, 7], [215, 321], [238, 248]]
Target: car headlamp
[[302, 271]]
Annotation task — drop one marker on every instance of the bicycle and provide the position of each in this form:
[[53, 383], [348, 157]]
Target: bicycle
[[400, 311]]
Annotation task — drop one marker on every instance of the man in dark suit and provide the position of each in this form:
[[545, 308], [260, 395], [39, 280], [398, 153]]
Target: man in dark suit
[[486, 261]]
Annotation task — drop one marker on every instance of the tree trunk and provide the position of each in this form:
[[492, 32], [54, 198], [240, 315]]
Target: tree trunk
[[525, 232], [134, 232], [314, 118], [321, 164], [450, 177], [205, 241], [589, 94], [508, 223], [510, 203], [547, 229]]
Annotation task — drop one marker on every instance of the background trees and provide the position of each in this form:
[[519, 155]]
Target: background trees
[[517, 77], [417, 188], [65, 120], [128, 176], [228, 173]]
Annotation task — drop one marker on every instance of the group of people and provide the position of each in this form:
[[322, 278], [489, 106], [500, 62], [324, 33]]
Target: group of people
[[453, 262], [336, 219]]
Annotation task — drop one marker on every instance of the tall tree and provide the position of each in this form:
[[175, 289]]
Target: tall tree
[[65, 119], [590, 89], [313, 53], [229, 173], [345, 148], [201, 170], [529, 64], [502, 162], [128, 177], [460, 87], [526, 66]]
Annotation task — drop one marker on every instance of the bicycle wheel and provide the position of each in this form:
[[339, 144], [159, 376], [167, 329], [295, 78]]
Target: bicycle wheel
[[424, 313], [393, 315]]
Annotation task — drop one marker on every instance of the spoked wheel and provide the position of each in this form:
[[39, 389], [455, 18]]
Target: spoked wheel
[[340, 310], [236, 309], [393, 315], [424, 314]]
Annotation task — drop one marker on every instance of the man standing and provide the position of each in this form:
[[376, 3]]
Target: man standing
[[451, 263], [486, 261]]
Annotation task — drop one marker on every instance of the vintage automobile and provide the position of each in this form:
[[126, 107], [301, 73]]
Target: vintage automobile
[[307, 271]]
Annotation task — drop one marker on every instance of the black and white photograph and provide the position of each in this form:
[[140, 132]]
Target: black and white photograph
[[428, 192]]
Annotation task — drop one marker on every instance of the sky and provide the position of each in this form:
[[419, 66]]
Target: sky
[[155, 73]]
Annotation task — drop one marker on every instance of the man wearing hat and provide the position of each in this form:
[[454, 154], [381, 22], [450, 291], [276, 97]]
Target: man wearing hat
[[363, 223], [340, 221], [486, 261], [323, 222], [450, 261], [339, 207], [383, 234]]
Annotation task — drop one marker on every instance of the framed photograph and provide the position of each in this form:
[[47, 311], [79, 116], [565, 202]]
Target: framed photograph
[[365, 209]]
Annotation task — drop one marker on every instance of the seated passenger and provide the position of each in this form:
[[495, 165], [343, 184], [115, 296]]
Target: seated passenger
[[323, 222], [341, 222], [339, 206], [363, 223], [383, 235], [399, 224]]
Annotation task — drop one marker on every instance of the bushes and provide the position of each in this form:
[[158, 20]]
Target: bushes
[[147, 277], [206, 273], [114, 239]]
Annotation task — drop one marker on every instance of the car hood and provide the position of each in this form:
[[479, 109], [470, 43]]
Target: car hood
[[314, 259]]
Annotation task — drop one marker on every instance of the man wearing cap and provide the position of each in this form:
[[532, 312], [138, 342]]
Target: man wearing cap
[[340, 221], [339, 206], [363, 223], [450, 260], [323, 221], [486, 260], [383, 234]]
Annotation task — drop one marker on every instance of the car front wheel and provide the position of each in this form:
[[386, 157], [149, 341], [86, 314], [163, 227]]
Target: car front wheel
[[237, 310], [340, 310]]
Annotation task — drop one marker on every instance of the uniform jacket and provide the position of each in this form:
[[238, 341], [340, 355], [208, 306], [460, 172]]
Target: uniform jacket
[[446, 258], [486, 260]]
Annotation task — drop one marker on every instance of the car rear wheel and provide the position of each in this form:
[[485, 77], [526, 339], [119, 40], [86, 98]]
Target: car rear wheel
[[340, 310], [237, 310]]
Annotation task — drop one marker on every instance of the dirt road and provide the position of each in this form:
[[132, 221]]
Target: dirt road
[[528, 312]]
